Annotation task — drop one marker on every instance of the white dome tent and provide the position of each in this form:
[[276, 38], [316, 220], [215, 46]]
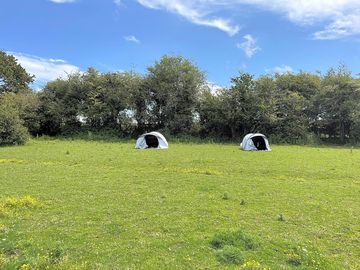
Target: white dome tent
[[255, 142], [151, 140]]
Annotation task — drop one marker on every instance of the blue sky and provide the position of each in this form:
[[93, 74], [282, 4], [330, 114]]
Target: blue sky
[[51, 38]]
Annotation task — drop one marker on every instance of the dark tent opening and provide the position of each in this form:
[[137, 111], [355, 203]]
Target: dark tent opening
[[152, 141], [259, 143]]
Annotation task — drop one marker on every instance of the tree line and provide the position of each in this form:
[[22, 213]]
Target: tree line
[[173, 97]]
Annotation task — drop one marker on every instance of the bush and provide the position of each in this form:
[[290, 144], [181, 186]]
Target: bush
[[12, 130]]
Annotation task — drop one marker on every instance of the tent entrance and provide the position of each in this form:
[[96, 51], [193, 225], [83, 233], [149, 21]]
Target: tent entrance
[[259, 143], [151, 141]]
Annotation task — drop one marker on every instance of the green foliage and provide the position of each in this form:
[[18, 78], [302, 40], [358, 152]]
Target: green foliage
[[13, 77], [18, 105], [291, 122], [26, 104], [278, 106], [211, 112], [305, 84], [173, 84], [89, 101], [60, 105], [239, 105], [174, 98], [12, 130], [337, 105], [108, 102]]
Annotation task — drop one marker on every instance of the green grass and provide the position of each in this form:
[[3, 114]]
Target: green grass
[[103, 205]]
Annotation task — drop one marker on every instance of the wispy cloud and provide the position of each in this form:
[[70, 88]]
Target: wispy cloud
[[44, 69], [194, 12], [249, 46], [62, 1], [343, 26], [283, 69], [132, 39], [337, 18]]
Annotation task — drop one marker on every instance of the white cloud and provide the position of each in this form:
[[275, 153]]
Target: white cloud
[[132, 39], [62, 1], [194, 12], [343, 26], [214, 88], [308, 11], [283, 69], [340, 17], [249, 46], [44, 69]]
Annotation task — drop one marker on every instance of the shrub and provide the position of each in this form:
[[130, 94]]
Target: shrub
[[12, 130]]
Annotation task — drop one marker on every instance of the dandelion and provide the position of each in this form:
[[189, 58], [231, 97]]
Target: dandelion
[[25, 266]]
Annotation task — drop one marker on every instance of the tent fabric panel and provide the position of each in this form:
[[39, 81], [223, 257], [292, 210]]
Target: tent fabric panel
[[248, 144], [141, 141]]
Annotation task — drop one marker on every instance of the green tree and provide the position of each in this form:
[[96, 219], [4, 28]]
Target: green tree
[[291, 125], [92, 100], [337, 104], [53, 115], [212, 114], [265, 115], [109, 102], [26, 105], [305, 84], [13, 77], [172, 85], [18, 104], [240, 104], [355, 119], [12, 130]]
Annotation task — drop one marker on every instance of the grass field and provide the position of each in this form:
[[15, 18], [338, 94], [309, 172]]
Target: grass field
[[103, 205]]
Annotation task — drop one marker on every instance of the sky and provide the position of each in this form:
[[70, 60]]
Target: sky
[[53, 38]]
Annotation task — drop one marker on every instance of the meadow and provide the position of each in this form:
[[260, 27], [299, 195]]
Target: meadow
[[77, 204]]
